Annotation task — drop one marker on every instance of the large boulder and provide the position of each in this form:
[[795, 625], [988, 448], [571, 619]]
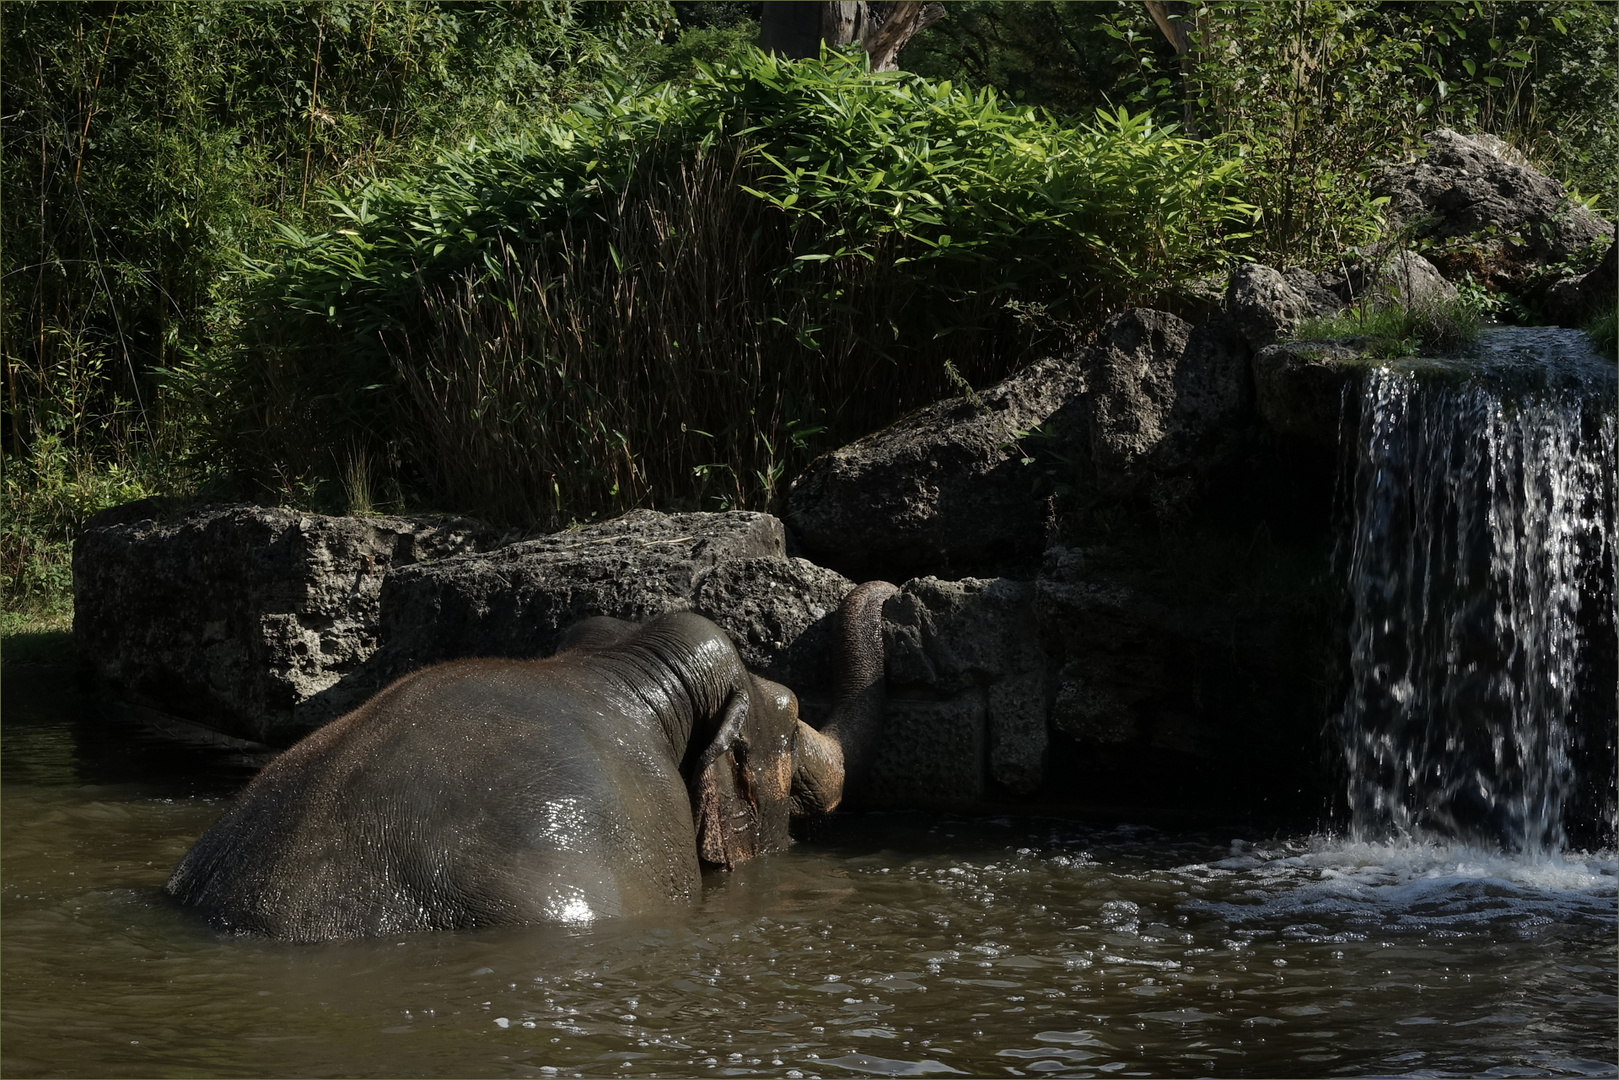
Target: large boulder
[[1167, 401], [264, 624], [238, 617], [1170, 688], [1404, 278], [1303, 390], [947, 489], [1264, 305], [516, 601], [1473, 209], [1573, 300], [973, 644]]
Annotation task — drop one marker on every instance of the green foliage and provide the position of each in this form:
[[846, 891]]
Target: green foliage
[[1397, 330], [1057, 56], [888, 221], [1315, 94], [147, 146], [86, 453], [1604, 331], [1539, 75]]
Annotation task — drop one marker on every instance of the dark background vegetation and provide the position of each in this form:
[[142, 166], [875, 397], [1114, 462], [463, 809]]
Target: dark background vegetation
[[272, 250]]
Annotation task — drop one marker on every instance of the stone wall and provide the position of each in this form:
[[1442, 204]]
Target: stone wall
[[1115, 565]]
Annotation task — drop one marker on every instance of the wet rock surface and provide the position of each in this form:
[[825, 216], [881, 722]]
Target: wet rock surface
[[1300, 388]]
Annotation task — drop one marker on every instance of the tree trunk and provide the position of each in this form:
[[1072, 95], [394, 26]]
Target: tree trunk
[[796, 28], [1171, 16]]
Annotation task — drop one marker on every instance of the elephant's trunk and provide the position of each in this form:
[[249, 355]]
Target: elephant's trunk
[[835, 759]]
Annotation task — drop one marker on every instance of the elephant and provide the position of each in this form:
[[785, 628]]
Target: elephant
[[596, 782]]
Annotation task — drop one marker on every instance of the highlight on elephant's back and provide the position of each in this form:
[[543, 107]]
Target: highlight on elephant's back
[[596, 782]]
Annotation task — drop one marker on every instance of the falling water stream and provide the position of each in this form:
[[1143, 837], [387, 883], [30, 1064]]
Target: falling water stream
[[1455, 931], [1480, 571]]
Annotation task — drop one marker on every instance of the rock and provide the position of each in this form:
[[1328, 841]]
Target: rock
[[1017, 730], [1166, 401], [1263, 305], [1088, 713], [238, 617], [931, 753], [946, 636], [516, 601], [943, 490], [1110, 639], [1405, 278], [780, 613], [1299, 388], [1197, 300], [1323, 293], [264, 624], [1477, 212], [976, 639]]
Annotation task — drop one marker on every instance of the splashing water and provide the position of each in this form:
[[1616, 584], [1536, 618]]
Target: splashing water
[[1480, 572]]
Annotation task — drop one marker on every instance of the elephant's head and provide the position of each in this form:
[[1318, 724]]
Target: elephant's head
[[755, 765]]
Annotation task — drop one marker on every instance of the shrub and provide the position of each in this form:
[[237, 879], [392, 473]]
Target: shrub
[[807, 231]]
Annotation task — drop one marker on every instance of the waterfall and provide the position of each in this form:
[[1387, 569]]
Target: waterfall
[[1479, 561]]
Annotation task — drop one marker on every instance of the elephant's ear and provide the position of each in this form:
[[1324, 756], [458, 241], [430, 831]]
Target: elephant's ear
[[725, 810]]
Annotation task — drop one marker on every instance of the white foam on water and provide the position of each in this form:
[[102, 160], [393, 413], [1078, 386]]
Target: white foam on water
[[1328, 888]]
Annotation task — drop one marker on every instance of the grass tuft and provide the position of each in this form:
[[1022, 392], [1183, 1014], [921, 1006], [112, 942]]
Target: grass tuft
[[1394, 331]]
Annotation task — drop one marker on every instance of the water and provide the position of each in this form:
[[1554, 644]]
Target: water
[[893, 945], [1480, 570]]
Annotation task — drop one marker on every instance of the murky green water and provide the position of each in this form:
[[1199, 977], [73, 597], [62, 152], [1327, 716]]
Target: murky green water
[[900, 944]]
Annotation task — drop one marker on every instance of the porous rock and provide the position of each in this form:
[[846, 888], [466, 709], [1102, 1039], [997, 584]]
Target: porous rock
[[1109, 640], [1263, 305], [1574, 299], [238, 617], [516, 601], [265, 624], [1166, 400], [1477, 211], [1299, 388], [780, 613], [930, 753], [945, 489], [974, 639], [1323, 292], [1404, 278]]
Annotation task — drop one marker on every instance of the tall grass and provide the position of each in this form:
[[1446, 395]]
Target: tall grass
[[145, 147], [652, 357]]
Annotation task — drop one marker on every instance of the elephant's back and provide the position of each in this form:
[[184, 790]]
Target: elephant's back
[[473, 793]]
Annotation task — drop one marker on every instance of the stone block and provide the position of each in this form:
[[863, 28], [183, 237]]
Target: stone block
[[931, 753]]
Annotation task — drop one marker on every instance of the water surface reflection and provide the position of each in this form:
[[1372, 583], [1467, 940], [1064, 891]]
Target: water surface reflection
[[898, 944]]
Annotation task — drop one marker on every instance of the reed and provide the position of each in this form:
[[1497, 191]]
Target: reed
[[651, 357]]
